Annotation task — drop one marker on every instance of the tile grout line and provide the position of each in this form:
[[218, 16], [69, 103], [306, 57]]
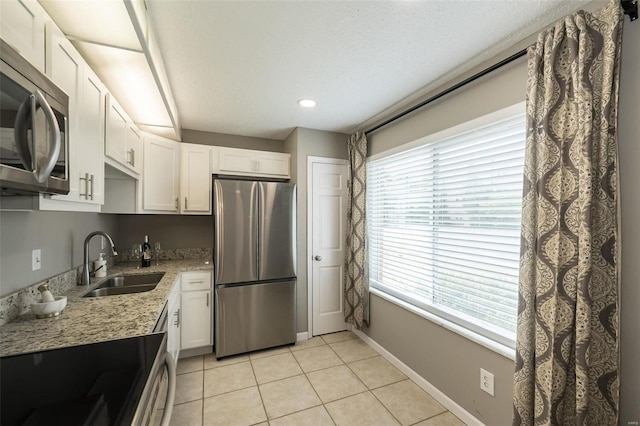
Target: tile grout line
[[264, 407], [306, 375]]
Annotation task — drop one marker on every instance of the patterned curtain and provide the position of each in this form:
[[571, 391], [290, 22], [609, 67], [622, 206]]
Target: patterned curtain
[[566, 370], [357, 279]]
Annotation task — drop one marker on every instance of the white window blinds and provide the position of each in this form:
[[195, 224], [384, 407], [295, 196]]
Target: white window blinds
[[444, 226]]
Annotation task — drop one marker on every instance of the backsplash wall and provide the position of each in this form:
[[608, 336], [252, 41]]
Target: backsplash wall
[[60, 237], [172, 231]]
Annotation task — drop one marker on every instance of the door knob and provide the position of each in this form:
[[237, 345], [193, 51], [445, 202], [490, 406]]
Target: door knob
[[318, 258]]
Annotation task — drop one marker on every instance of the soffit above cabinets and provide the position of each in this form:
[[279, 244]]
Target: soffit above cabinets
[[115, 39]]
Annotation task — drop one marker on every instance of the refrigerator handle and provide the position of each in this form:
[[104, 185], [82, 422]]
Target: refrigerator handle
[[217, 217], [257, 225]]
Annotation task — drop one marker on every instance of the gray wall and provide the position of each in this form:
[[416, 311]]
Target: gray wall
[[452, 363], [445, 359], [629, 140], [172, 231], [301, 144], [233, 141], [60, 236]]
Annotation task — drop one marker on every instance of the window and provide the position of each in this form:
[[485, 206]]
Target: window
[[443, 224]]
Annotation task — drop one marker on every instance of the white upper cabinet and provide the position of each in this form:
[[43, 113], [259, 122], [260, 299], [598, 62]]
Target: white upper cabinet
[[123, 140], [161, 175], [246, 162], [90, 149], [22, 25], [85, 126], [134, 148], [195, 179]]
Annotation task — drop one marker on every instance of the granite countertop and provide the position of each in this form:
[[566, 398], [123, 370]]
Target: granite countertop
[[97, 319]]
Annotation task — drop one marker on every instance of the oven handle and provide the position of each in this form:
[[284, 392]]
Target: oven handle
[[171, 389]]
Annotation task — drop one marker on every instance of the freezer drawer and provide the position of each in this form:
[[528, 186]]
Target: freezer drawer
[[254, 316]]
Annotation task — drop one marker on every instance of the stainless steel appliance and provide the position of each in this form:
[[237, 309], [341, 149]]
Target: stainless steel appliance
[[255, 256], [33, 129], [108, 383]]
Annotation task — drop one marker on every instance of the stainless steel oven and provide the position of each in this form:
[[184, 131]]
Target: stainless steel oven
[[33, 129], [156, 402], [119, 382]]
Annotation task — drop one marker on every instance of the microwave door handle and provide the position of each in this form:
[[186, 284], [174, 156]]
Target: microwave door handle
[[54, 136], [171, 389], [21, 132]]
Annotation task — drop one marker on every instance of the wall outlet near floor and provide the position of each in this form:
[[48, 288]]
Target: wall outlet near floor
[[36, 260], [486, 381]]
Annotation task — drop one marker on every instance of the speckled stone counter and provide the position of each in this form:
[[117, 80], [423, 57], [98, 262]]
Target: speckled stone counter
[[96, 319]]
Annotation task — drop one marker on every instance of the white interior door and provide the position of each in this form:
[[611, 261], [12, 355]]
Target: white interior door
[[328, 215]]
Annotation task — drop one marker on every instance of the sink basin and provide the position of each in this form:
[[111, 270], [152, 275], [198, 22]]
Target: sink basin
[[126, 284]]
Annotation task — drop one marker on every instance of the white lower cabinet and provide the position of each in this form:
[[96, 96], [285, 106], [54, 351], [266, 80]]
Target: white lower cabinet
[[197, 310], [174, 319]]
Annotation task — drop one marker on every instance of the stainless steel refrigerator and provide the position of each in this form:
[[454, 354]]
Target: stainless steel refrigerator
[[254, 265]]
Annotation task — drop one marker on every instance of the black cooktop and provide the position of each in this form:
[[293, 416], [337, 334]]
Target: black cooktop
[[95, 384]]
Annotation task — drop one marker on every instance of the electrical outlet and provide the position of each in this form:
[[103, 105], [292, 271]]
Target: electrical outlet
[[36, 260], [486, 381]]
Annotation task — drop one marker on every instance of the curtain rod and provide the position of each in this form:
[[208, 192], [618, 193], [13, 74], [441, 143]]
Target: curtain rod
[[630, 8]]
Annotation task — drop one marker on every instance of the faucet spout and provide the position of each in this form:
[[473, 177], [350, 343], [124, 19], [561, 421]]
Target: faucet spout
[[85, 278]]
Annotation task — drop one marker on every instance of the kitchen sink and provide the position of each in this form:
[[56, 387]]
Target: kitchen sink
[[126, 284]]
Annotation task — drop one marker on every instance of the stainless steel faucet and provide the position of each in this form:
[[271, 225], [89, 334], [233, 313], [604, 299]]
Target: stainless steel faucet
[[85, 266]]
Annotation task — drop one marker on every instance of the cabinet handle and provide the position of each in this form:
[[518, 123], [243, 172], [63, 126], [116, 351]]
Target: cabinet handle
[[197, 282], [177, 321], [177, 201], [207, 299], [185, 204], [133, 157], [87, 180]]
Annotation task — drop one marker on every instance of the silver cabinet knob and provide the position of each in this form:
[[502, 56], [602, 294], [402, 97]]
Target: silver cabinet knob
[[318, 258]]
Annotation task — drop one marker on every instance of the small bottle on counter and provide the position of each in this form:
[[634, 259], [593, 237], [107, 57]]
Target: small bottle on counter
[[100, 266], [146, 253], [46, 294]]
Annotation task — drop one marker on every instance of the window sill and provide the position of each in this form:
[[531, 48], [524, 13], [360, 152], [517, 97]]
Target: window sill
[[498, 348]]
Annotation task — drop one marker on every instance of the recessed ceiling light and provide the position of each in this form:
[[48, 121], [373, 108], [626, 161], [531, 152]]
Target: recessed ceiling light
[[306, 103]]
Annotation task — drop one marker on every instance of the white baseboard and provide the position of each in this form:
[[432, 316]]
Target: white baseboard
[[443, 399], [302, 336]]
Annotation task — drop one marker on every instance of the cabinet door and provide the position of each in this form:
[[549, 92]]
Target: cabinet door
[[174, 326], [161, 174], [134, 149], [22, 25], [90, 149], [273, 163], [64, 67], [234, 160], [116, 132], [195, 179], [196, 319]]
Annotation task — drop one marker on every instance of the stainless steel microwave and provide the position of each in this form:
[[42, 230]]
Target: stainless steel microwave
[[33, 129]]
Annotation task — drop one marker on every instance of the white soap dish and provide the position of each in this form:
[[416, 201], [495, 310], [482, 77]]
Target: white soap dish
[[49, 309]]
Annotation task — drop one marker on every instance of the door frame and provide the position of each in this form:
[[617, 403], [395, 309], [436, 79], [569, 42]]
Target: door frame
[[310, 161]]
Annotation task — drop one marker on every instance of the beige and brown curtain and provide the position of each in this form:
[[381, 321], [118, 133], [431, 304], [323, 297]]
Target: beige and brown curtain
[[566, 369], [356, 277]]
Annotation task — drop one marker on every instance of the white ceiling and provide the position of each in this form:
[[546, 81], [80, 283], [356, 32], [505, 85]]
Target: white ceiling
[[240, 66]]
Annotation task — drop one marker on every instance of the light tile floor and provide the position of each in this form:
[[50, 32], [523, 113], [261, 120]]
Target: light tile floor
[[335, 379]]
